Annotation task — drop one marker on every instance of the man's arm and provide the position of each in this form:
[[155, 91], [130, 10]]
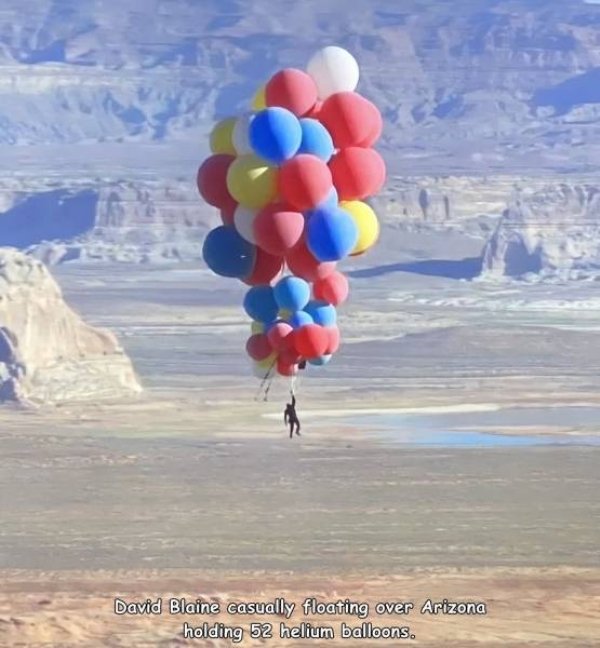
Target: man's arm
[[293, 401]]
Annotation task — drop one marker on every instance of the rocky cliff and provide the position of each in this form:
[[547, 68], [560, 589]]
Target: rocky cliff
[[551, 233], [47, 353], [469, 84]]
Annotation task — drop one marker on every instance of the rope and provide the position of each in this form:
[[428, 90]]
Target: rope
[[264, 380]]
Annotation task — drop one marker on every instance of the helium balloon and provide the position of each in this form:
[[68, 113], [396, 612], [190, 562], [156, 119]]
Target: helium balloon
[[258, 347], [228, 212], [315, 111], [302, 263], [268, 363], [375, 132], [330, 202], [275, 135], [285, 369], [257, 327], [292, 293], [221, 137], [366, 222], [277, 229], [304, 181], [292, 89], [350, 118], [333, 69], [212, 180], [267, 269], [332, 289], [300, 319], [243, 219], [240, 136], [333, 340], [316, 139], [227, 254], [331, 234], [259, 100], [320, 361], [277, 335], [323, 314], [311, 341], [252, 182], [357, 173], [284, 314], [260, 304]]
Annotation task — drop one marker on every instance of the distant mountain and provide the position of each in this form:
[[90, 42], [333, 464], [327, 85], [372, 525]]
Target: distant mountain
[[474, 85]]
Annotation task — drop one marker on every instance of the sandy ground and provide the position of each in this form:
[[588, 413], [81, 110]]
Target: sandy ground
[[194, 489], [552, 607]]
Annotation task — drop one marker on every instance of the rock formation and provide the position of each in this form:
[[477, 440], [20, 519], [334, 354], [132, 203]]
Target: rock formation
[[48, 354], [550, 233]]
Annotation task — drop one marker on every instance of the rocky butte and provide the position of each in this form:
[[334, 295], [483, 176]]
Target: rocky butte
[[48, 354], [550, 233]]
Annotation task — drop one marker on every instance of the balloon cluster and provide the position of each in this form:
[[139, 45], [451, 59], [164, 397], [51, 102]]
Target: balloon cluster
[[289, 179]]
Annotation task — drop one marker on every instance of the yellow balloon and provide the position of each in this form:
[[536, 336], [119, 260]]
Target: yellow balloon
[[267, 362], [257, 328], [259, 101], [251, 181], [284, 314], [221, 137], [366, 222]]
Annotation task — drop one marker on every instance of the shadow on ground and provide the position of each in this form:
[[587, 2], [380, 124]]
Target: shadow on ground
[[467, 268]]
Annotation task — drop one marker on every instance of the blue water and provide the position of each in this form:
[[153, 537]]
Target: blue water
[[448, 429]]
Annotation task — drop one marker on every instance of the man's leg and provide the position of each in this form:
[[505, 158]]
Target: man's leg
[[291, 428], [297, 427]]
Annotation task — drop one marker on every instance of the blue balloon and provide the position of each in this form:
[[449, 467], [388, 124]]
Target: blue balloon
[[299, 319], [332, 234], [260, 304], [331, 201], [275, 134], [227, 254], [322, 313], [316, 139], [292, 293], [320, 361]]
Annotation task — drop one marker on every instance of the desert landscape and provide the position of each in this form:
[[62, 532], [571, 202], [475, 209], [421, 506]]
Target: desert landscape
[[450, 450]]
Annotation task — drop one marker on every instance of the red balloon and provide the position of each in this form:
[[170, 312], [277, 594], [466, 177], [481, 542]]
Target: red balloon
[[304, 181], [333, 339], [301, 261], [258, 347], [285, 368], [212, 180], [278, 228], [267, 269], [349, 118], [357, 173], [292, 89], [315, 111], [311, 341], [376, 131], [227, 212], [333, 288], [290, 356], [278, 335]]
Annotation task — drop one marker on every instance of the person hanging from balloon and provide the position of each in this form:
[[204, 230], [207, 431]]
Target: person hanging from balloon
[[290, 416]]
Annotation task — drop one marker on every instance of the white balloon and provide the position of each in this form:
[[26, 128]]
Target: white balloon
[[240, 136], [243, 219], [333, 69]]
